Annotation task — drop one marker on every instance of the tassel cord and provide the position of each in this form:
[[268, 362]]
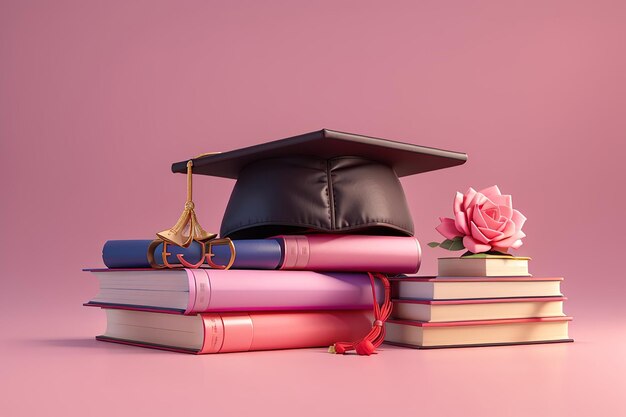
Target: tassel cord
[[375, 337]]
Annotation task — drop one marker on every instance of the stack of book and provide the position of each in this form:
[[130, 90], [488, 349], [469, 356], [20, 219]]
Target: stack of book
[[490, 300], [285, 295], [313, 219]]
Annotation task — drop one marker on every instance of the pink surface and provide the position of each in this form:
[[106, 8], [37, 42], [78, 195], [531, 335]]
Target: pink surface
[[98, 98]]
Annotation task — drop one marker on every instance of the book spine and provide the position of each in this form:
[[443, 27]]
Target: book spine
[[212, 290], [250, 254], [241, 332], [389, 254]]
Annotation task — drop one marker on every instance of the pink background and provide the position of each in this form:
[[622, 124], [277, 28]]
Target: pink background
[[98, 98]]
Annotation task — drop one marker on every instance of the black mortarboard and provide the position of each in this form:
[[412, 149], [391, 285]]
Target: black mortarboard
[[324, 181]]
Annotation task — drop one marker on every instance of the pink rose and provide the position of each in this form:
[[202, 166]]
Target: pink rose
[[486, 220]]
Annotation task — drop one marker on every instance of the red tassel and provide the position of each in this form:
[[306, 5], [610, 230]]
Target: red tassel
[[368, 344], [364, 347]]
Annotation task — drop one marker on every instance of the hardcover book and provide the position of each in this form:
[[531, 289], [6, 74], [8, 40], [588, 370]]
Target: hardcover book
[[486, 266], [438, 288], [249, 254], [423, 335], [233, 332], [319, 252], [192, 291], [480, 309]]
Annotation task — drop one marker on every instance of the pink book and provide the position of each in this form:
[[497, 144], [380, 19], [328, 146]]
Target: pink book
[[192, 291], [234, 332], [389, 254]]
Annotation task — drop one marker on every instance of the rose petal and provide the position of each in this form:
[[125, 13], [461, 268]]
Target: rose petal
[[508, 228], [490, 234], [502, 200], [494, 223], [492, 213], [469, 214], [506, 212], [447, 228], [461, 223], [468, 197], [509, 241], [473, 246], [458, 201], [491, 191], [519, 219], [473, 205], [517, 244], [477, 234], [478, 218], [488, 205]]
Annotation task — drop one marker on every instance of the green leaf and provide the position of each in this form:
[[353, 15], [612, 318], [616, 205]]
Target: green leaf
[[457, 244], [453, 244], [433, 244], [446, 244]]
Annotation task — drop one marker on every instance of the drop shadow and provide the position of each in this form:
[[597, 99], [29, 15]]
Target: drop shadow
[[85, 344]]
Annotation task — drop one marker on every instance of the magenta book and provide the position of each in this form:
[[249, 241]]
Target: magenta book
[[192, 291], [234, 332]]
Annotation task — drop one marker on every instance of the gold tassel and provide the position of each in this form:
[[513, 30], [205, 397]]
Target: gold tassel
[[187, 222]]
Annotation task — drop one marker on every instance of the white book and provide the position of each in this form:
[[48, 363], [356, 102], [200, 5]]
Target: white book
[[485, 266]]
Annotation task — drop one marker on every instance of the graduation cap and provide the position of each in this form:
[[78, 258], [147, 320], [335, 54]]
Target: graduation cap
[[319, 182], [324, 181]]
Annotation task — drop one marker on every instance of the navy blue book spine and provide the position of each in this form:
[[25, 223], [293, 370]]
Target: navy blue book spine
[[250, 254]]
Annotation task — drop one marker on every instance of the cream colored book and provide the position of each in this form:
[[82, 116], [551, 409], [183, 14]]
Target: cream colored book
[[431, 288], [477, 333], [435, 311], [484, 266]]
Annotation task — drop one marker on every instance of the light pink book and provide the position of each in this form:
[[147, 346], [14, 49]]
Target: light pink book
[[234, 332], [324, 252], [192, 291]]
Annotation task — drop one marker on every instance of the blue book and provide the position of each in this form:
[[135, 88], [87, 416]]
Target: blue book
[[251, 254]]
